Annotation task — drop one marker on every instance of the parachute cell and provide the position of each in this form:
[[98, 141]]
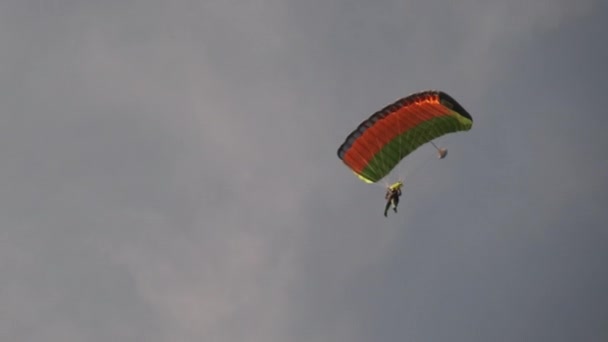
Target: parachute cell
[[380, 143]]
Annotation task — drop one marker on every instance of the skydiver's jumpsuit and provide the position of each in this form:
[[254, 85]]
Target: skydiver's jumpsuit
[[392, 196]]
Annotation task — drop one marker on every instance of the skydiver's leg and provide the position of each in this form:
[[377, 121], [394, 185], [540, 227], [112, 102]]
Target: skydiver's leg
[[395, 203], [388, 204]]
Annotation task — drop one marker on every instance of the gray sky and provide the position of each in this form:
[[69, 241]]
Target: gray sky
[[169, 172]]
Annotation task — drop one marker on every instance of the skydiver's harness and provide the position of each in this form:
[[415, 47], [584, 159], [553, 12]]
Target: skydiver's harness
[[391, 195]]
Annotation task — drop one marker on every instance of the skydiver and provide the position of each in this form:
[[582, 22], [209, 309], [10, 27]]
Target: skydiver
[[392, 197]]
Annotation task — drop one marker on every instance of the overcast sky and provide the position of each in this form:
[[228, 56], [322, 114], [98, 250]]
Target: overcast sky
[[169, 172]]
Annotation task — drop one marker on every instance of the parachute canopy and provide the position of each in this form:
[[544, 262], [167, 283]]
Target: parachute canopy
[[379, 143]]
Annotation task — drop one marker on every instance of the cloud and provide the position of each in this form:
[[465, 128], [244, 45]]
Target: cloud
[[170, 173]]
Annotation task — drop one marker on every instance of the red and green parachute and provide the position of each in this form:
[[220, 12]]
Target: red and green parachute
[[380, 143]]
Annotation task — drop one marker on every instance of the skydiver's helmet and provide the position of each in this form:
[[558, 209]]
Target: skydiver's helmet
[[396, 186]]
